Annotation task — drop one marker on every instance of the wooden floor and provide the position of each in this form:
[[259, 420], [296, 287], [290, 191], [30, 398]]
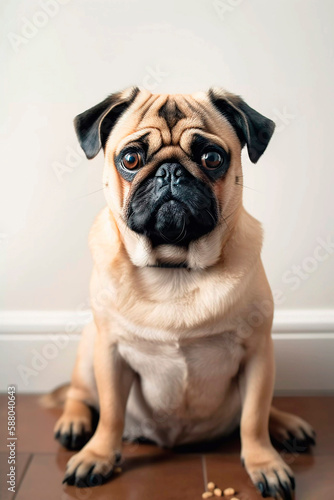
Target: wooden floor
[[152, 473]]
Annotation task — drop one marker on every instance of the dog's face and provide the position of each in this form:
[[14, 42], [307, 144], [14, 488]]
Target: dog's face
[[173, 174]]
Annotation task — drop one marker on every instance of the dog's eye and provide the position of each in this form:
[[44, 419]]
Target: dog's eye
[[132, 160], [212, 160]]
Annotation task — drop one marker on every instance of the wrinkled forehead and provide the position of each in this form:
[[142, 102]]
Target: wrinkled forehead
[[172, 120]]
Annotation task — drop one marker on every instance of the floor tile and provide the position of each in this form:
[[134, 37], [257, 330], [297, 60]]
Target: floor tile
[[34, 425], [22, 461]]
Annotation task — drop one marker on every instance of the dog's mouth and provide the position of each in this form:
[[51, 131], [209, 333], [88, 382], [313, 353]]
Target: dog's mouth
[[171, 221], [172, 215]]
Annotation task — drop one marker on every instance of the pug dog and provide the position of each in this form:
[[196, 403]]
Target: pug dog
[[180, 347]]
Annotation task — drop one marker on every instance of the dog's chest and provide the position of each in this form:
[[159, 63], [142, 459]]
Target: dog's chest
[[190, 379]]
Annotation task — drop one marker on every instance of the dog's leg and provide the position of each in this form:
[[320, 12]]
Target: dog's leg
[[94, 464], [270, 474], [75, 427], [291, 431]]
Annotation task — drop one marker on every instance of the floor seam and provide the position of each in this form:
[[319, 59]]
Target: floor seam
[[25, 470], [205, 473]]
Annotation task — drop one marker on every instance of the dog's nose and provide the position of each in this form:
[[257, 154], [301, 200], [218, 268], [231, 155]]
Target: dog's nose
[[170, 173]]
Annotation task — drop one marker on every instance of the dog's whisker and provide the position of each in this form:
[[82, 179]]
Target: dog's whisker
[[89, 194], [208, 212], [183, 231], [247, 187], [228, 227], [232, 213]]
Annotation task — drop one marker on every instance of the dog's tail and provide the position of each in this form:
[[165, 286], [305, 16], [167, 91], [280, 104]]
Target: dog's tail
[[56, 398]]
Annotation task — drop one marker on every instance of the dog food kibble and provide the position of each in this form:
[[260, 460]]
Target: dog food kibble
[[214, 490], [229, 491], [207, 494]]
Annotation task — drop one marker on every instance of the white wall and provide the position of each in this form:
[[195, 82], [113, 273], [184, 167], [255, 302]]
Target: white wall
[[278, 55]]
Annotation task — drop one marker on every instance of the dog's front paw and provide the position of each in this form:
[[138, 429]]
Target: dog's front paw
[[90, 468], [269, 473]]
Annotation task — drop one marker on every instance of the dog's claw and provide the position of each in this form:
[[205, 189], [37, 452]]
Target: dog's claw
[[309, 439], [292, 480], [70, 479], [72, 440], [261, 487], [284, 487], [95, 479]]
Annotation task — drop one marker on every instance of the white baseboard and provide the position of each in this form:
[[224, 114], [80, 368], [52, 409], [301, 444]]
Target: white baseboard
[[38, 348]]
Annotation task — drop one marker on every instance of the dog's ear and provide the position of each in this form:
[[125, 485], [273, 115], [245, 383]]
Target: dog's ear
[[252, 128], [94, 125]]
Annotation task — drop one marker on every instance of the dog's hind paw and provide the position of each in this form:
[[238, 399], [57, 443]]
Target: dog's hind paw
[[291, 432], [73, 432]]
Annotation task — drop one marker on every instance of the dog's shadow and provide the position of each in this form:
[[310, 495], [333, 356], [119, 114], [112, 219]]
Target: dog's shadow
[[157, 454], [227, 445]]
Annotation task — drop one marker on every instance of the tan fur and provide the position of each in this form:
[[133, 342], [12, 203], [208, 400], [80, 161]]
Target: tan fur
[[56, 398], [178, 355]]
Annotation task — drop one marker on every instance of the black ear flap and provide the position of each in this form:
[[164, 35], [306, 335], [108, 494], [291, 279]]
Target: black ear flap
[[94, 125], [252, 128]]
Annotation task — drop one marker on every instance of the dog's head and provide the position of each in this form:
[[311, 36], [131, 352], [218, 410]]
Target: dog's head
[[173, 172]]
